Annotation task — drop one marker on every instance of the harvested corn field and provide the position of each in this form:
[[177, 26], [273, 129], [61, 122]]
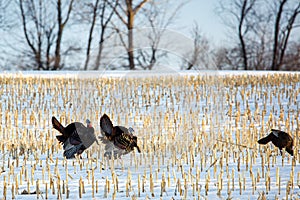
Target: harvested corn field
[[197, 133]]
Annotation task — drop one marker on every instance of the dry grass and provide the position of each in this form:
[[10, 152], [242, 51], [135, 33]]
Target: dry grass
[[197, 135]]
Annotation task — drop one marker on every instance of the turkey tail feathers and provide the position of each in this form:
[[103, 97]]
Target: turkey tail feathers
[[57, 125], [106, 125]]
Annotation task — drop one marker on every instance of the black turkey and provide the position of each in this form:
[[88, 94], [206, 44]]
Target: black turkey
[[118, 140], [75, 137], [280, 139]]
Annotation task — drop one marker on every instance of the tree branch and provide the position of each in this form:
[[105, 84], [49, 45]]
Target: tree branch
[[139, 6], [24, 22], [69, 12]]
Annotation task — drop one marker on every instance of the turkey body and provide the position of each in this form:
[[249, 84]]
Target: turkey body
[[280, 139], [118, 140], [75, 137]]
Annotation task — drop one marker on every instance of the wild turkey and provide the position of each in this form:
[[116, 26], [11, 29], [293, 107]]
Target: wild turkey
[[75, 137], [118, 140], [280, 139]]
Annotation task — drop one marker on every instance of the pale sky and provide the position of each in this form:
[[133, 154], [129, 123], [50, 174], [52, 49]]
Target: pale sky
[[203, 12]]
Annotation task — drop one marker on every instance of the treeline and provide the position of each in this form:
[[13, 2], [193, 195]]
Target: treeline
[[266, 34], [136, 34]]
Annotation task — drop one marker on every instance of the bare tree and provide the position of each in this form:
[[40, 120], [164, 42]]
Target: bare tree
[[61, 23], [291, 60], [33, 36], [282, 30], [97, 15], [159, 16], [43, 27], [221, 59], [106, 15], [227, 58], [199, 55], [94, 7], [264, 29], [240, 11], [260, 43], [127, 11]]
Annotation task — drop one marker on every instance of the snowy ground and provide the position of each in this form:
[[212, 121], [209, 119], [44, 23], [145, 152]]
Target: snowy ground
[[197, 132]]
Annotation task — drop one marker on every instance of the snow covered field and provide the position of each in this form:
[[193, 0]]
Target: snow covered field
[[197, 131]]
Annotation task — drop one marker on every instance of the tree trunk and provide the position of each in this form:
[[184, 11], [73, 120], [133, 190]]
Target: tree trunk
[[100, 49], [59, 36], [288, 30], [243, 51], [275, 65], [39, 56], [153, 58], [91, 35], [130, 40], [241, 37], [48, 51]]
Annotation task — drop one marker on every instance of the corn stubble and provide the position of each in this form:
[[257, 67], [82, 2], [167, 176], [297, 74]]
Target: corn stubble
[[198, 136]]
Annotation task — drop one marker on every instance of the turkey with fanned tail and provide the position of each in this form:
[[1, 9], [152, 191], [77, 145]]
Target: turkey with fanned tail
[[280, 139], [118, 140], [75, 137]]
